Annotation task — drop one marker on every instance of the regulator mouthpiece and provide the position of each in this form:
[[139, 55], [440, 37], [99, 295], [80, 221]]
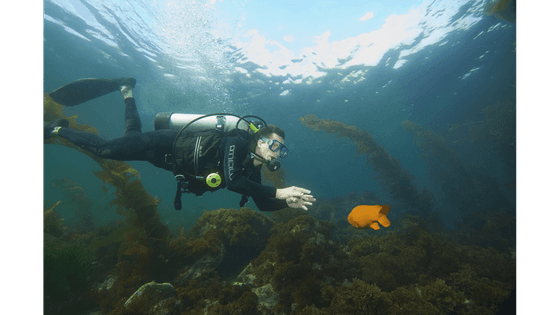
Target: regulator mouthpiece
[[273, 165]]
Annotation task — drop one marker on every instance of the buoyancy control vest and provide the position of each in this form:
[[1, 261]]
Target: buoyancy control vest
[[197, 149]]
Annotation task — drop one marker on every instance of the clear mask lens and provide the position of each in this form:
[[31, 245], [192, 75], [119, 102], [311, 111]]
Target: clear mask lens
[[275, 146]]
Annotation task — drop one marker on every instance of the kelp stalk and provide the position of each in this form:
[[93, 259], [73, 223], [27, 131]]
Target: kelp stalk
[[397, 180], [130, 194]]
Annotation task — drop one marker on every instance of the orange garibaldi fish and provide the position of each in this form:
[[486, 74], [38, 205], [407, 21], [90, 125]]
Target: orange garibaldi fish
[[363, 217]]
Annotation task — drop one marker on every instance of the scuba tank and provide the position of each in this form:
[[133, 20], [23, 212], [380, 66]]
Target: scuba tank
[[220, 122]]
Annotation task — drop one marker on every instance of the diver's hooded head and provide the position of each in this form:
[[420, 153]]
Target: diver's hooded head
[[265, 143]]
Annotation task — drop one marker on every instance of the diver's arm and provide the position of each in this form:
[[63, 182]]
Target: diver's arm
[[267, 203], [270, 204]]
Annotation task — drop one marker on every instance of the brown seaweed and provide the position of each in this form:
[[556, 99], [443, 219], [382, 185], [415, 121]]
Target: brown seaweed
[[52, 224], [467, 188], [276, 178], [498, 129], [504, 10], [397, 180], [131, 199], [432, 144]]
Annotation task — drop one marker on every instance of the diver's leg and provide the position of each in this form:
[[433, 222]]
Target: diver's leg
[[85, 140], [51, 128], [149, 146], [132, 123]]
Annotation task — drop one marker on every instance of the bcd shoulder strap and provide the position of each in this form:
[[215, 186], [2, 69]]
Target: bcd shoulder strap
[[194, 151], [197, 162]]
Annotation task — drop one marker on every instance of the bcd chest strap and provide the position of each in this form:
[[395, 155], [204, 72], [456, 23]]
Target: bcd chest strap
[[197, 164], [196, 160], [196, 152]]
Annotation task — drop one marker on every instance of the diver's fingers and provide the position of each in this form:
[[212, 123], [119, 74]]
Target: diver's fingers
[[301, 190], [288, 192], [308, 198]]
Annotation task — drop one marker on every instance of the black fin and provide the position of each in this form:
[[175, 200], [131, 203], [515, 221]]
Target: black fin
[[84, 90]]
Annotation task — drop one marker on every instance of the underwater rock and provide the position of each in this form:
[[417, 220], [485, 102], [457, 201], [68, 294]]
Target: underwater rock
[[287, 214], [302, 271], [205, 264], [234, 226], [410, 268], [224, 241], [247, 276], [267, 296], [107, 284], [148, 295], [296, 258]]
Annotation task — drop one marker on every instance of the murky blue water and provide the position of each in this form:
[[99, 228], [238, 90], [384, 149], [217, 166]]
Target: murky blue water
[[440, 70]]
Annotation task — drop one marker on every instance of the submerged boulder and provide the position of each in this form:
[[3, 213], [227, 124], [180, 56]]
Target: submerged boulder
[[204, 264], [267, 297], [222, 241], [148, 296]]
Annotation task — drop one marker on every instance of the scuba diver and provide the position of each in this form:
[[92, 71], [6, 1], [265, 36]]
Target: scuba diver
[[205, 152]]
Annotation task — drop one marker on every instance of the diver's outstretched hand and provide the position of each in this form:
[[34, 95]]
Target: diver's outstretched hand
[[285, 193], [296, 197], [300, 201]]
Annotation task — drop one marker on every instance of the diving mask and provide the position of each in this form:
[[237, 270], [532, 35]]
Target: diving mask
[[275, 145]]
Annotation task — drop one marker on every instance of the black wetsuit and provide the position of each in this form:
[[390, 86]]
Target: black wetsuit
[[244, 178], [241, 175]]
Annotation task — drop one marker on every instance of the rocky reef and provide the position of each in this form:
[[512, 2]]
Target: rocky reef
[[243, 262]]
